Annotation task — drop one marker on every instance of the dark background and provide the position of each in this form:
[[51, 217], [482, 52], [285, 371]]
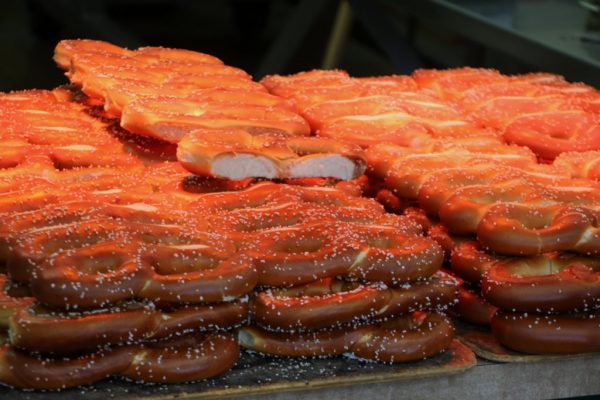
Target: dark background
[[268, 36]]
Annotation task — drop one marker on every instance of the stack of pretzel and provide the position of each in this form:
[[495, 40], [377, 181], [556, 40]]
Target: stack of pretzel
[[118, 262], [452, 148]]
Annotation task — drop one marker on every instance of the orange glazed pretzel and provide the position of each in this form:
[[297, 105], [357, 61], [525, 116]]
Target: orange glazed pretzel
[[547, 334], [41, 330], [580, 164], [547, 283], [180, 360], [408, 338], [296, 255], [330, 302], [175, 271], [163, 119], [519, 229], [237, 154]]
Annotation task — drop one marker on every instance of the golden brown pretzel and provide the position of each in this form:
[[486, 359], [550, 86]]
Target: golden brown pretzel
[[518, 229], [332, 302], [469, 261], [237, 154], [162, 119], [472, 308], [547, 334], [165, 269], [463, 211], [580, 164], [296, 255], [180, 360], [547, 283], [408, 338], [36, 329]]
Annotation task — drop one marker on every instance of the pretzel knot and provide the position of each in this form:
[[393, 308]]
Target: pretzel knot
[[547, 334], [331, 302], [37, 329], [296, 255], [180, 360], [518, 229], [108, 272], [547, 283], [408, 338]]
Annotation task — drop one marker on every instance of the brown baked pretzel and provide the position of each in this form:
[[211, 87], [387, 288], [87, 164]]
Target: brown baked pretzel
[[519, 229], [37, 329], [472, 308], [301, 254], [547, 334], [441, 185], [237, 154], [163, 266], [168, 121], [184, 359], [463, 211], [580, 164], [407, 338], [12, 299], [547, 283], [408, 175], [469, 261], [330, 302]]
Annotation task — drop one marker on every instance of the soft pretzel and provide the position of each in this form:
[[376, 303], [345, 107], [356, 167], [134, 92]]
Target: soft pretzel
[[549, 134], [296, 255], [464, 210], [110, 271], [547, 283], [519, 229], [580, 164], [330, 302], [469, 261], [184, 359], [170, 122], [472, 308], [547, 334], [36, 329], [237, 154], [408, 338]]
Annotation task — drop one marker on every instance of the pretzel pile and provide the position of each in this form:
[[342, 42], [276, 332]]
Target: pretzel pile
[[236, 129], [119, 262]]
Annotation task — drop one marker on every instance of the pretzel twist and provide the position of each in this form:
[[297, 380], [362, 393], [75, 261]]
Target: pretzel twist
[[182, 360], [296, 255], [408, 338], [548, 283], [47, 331], [330, 302], [108, 272], [547, 334]]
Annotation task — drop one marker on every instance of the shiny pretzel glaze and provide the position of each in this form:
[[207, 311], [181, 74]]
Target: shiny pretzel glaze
[[332, 302], [180, 360], [408, 338]]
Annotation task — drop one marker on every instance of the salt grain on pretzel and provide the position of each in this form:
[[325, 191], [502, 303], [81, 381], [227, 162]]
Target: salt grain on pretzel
[[295, 255], [408, 338], [548, 283], [36, 329], [547, 334], [180, 360], [330, 302]]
